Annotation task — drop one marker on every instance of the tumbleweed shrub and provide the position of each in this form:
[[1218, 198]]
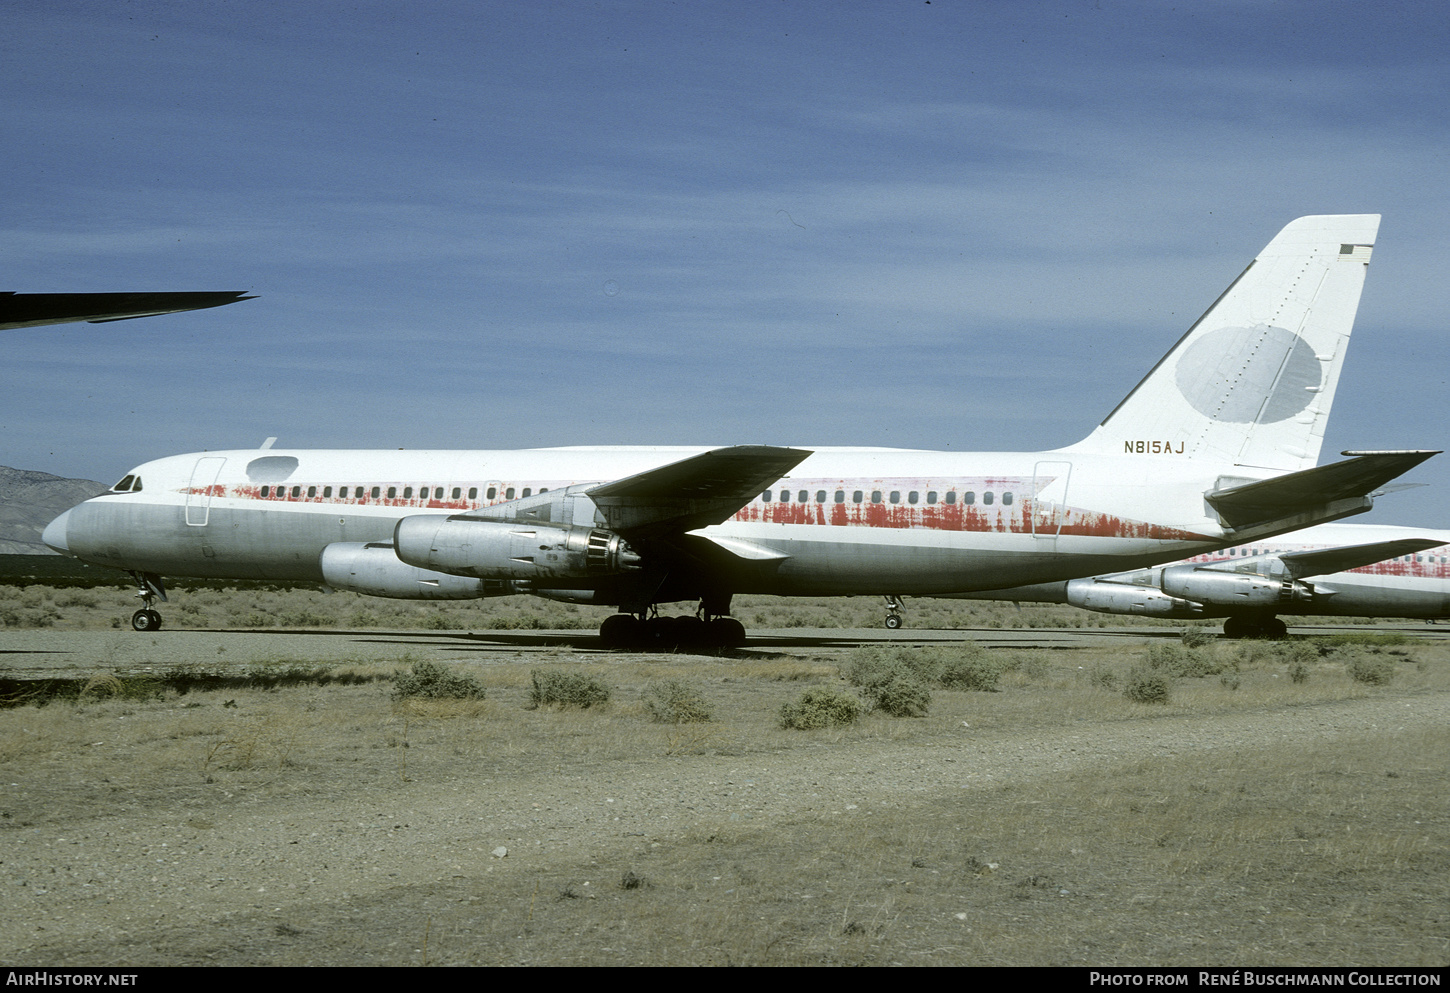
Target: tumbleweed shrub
[[1370, 669], [1146, 684], [1197, 637], [1180, 661], [670, 701], [900, 696], [435, 681], [950, 667], [822, 707], [552, 688]]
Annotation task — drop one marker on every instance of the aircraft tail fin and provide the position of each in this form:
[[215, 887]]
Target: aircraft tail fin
[[1252, 381]]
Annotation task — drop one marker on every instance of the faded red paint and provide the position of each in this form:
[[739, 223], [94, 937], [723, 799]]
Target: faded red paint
[[1022, 516]]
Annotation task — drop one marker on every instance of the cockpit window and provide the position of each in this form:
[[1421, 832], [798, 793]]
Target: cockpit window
[[124, 484], [136, 486]]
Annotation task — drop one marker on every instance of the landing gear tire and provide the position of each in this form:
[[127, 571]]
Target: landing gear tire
[[893, 621], [1267, 628], [146, 620], [670, 634]]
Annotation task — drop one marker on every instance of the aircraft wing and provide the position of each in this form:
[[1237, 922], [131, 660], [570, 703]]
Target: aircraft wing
[[1266, 500], [693, 493], [1324, 561], [28, 310]]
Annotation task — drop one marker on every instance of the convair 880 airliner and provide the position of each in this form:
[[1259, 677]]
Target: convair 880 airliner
[[1215, 447]]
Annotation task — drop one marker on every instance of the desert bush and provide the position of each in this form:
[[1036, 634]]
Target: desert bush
[[434, 681], [901, 696], [1103, 679], [1146, 684], [955, 667], [566, 689], [1176, 660], [672, 702], [822, 707], [1298, 672], [1374, 670], [1198, 637], [304, 619]]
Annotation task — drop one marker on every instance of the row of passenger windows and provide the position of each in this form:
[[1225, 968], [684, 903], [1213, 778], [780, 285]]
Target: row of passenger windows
[[391, 492], [912, 497]]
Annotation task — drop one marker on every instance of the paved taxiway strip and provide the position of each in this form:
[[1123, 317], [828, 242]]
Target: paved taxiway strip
[[40, 653]]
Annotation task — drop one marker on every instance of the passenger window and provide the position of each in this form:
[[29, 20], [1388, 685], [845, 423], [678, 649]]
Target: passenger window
[[785, 496], [543, 489], [821, 496], [951, 496], [392, 492], [376, 490], [803, 496], [840, 496], [458, 492], [911, 497], [856, 497], [472, 493], [358, 493], [407, 493], [266, 490], [326, 492], [492, 492], [508, 494], [895, 496], [765, 497], [311, 492], [296, 492], [987, 498], [124, 485], [528, 490], [930, 497], [875, 496], [1007, 499], [969, 498]]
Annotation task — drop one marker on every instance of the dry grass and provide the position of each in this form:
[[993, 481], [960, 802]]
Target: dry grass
[[1051, 822]]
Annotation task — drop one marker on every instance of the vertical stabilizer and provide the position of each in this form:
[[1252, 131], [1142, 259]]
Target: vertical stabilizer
[[1252, 381]]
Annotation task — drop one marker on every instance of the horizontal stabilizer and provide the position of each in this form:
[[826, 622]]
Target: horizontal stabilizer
[[1265, 500], [28, 310], [695, 492], [1324, 561]]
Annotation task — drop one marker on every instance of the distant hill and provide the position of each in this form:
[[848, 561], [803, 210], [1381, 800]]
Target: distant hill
[[30, 500]]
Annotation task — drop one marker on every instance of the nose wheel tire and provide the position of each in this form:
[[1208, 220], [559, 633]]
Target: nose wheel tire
[[893, 621], [146, 620]]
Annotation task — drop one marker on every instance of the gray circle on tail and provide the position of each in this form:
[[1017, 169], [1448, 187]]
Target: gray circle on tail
[[1226, 374]]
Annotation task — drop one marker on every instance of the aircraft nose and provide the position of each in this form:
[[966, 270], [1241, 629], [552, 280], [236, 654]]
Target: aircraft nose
[[54, 534]]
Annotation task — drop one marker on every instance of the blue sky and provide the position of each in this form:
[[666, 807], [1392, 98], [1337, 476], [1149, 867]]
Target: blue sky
[[954, 225]]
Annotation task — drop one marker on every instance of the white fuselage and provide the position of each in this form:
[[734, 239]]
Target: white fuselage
[[847, 521]]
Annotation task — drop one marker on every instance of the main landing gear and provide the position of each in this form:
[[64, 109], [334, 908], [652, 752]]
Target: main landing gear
[[151, 590], [1241, 626], [894, 606], [643, 633]]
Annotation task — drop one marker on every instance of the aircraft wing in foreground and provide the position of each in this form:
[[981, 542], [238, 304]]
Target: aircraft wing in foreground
[[29, 310]]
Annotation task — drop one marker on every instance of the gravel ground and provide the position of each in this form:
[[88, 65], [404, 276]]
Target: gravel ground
[[340, 857]]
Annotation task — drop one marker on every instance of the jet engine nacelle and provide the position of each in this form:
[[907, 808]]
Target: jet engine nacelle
[[375, 570], [1230, 589], [511, 550], [1120, 598]]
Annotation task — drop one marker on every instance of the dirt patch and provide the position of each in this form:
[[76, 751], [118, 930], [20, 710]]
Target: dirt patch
[[1261, 821]]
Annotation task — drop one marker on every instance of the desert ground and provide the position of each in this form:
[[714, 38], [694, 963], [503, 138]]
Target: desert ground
[[247, 787]]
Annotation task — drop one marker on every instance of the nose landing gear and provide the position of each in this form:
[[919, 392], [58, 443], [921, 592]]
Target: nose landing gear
[[151, 590], [894, 606]]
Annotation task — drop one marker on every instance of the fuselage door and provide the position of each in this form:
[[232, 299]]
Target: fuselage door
[[1049, 498], [201, 489]]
